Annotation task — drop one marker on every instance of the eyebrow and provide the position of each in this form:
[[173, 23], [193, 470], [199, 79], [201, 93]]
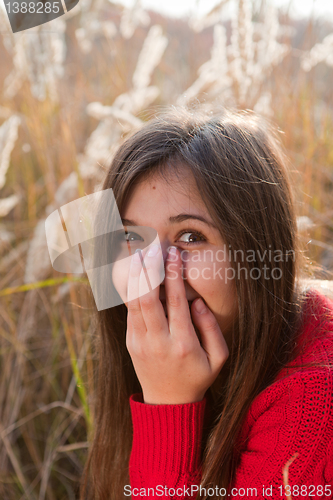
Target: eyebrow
[[175, 220]]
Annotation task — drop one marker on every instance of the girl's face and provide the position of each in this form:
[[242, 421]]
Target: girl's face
[[175, 210]]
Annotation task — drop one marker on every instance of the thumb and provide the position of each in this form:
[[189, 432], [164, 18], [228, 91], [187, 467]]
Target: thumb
[[212, 339]]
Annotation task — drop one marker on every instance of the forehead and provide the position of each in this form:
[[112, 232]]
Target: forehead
[[165, 192]]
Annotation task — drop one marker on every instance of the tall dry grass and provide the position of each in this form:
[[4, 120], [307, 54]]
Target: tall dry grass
[[71, 91]]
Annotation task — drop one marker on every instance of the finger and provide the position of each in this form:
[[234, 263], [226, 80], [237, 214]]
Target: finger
[[129, 333], [151, 306], [133, 302], [177, 305], [212, 339]]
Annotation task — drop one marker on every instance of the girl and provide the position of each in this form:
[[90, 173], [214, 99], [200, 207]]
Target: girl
[[212, 381]]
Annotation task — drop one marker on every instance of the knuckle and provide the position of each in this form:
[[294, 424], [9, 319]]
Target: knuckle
[[183, 349], [136, 349], [134, 309], [174, 300], [224, 355], [211, 325], [128, 345], [147, 303]]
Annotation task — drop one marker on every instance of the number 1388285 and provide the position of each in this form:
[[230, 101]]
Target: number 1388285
[[33, 7]]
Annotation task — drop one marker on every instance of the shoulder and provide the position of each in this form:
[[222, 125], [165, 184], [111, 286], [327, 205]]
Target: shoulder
[[313, 357], [295, 413], [302, 392], [305, 391], [317, 310], [314, 340]]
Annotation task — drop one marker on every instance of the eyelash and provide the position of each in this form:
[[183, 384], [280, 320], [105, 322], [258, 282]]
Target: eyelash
[[197, 233], [185, 231]]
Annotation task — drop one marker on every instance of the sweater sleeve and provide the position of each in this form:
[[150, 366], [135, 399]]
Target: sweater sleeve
[[165, 457], [294, 415]]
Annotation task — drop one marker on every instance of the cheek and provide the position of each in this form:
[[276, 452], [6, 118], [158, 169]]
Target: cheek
[[206, 273], [213, 280], [198, 275]]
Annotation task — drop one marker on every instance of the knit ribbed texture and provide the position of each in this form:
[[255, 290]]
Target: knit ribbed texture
[[294, 414], [166, 443]]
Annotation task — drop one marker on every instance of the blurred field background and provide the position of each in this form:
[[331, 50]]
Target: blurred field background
[[71, 90]]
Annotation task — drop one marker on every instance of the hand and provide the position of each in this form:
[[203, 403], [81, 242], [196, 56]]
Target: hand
[[171, 365]]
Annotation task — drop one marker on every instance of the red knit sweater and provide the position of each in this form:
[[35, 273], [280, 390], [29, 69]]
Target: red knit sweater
[[294, 414]]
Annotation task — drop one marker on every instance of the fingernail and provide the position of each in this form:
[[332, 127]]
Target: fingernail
[[200, 306], [172, 255], [153, 251]]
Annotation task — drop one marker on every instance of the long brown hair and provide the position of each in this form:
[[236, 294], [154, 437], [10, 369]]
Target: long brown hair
[[242, 176]]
